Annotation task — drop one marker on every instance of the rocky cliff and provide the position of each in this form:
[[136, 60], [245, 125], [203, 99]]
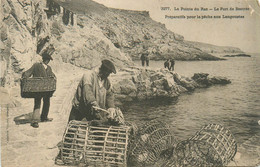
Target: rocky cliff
[[134, 32], [82, 33]]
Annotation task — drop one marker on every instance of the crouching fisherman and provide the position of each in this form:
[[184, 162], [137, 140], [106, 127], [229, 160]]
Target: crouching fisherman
[[94, 97], [92, 102]]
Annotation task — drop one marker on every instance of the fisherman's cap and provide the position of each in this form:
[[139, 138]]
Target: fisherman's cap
[[47, 56], [109, 65], [48, 52]]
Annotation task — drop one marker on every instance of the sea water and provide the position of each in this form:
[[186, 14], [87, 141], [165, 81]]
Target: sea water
[[236, 106]]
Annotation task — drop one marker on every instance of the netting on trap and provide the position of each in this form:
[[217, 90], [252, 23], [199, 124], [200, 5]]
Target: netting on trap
[[213, 145], [94, 145], [149, 143]]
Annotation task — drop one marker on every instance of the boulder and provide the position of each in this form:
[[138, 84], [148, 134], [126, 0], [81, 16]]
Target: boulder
[[189, 85], [202, 79], [127, 87], [219, 80], [200, 76], [169, 81], [123, 98], [156, 76], [177, 78], [159, 84]]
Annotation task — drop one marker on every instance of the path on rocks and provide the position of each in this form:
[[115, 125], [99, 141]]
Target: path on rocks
[[23, 145]]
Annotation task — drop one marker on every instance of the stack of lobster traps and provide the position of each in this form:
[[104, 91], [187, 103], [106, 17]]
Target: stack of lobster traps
[[94, 145], [152, 144]]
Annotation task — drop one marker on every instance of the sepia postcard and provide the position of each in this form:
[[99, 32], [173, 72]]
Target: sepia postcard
[[130, 83]]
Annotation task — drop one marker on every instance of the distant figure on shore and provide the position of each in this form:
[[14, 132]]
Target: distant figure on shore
[[167, 64], [41, 69], [172, 63], [143, 59], [147, 59]]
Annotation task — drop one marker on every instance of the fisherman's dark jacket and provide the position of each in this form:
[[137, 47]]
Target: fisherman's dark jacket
[[38, 70]]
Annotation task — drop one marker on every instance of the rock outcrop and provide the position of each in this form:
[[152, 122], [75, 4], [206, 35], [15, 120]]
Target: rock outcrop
[[209, 48], [139, 83], [238, 55]]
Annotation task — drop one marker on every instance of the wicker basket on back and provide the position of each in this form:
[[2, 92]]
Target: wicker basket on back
[[37, 86], [149, 144], [213, 145], [94, 145]]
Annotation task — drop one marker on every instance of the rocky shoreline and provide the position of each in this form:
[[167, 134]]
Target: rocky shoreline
[[138, 83]]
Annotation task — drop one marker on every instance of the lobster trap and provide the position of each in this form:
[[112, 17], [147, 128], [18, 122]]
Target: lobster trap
[[94, 145], [213, 145], [152, 141], [37, 86]]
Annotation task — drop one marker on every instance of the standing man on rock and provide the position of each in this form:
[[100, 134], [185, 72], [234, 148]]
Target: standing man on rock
[[143, 59], [167, 64], [147, 59], [41, 69], [172, 64], [94, 91]]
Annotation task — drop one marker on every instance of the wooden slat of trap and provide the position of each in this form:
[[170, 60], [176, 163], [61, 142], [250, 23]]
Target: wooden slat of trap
[[99, 131]]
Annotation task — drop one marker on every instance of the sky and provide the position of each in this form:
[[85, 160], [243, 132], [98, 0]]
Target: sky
[[243, 33]]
